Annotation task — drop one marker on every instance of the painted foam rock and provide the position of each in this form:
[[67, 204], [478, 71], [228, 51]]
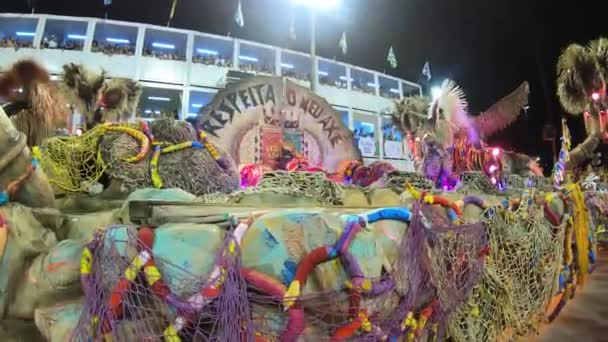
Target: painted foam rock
[[276, 242], [384, 198], [187, 251], [19, 330], [27, 238], [50, 277], [15, 158], [269, 199], [169, 195], [57, 322], [355, 198], [253, 118], [83, 227]]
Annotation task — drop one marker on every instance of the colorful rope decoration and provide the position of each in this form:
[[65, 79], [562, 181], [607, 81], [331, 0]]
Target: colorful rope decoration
[[5, 197], [413, 319], [453, 209]]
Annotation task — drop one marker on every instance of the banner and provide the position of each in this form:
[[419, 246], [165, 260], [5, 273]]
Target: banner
[[367, 146], [271, 144], [393, 149], [304, 119]]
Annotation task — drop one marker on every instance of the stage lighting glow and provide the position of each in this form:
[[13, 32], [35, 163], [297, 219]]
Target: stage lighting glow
[[77, 36], [287, 66], [248, 58], [323, 73], [495, 151], [25, 34], [196, 105], [435, 93], [394, 90], [371, 84], [493, 168], [118, 40], [159, 98], [207, 52], [595, 96], [163, 46], [321, 4]]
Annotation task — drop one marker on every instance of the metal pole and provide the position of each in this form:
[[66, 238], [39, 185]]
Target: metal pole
[[313, 52]]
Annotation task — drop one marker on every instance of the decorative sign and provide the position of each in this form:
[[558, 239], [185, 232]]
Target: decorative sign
[[295, 111], [393, 149], [367, 146]]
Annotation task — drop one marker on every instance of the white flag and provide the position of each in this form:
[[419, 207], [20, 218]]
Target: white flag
[[292, 29], [426, 71], [343, 44], [391, 58], [238, 16]]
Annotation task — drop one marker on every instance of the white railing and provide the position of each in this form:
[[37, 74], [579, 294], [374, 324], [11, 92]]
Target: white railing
[[186, 75]]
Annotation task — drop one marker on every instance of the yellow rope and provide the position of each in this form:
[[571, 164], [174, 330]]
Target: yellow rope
[[580, 225]]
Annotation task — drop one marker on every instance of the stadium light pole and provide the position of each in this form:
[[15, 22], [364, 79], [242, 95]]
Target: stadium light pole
[[315, 5]]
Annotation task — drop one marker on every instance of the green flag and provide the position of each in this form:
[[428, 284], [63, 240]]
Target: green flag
[[391, 58]]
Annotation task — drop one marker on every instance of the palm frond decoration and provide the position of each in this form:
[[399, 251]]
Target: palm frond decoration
[[599, 48], [451, 104], [409, 116], [578, 76], [503, 113]]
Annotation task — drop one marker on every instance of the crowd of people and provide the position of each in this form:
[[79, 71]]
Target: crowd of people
[[52, 42], [386, 92], [256, 68], [297, 76], [165, 55], [358, 86], [15, 43], [339, 83], [217, 60], [113, 49]]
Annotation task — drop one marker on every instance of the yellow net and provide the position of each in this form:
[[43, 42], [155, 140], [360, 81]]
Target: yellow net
[[72, 164], [123, 152]]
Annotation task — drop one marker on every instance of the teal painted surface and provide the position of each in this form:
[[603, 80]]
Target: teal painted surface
[[161, 195], [191, 247], [276, 243]]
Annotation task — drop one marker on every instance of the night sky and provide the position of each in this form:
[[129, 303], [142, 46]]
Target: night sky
[[488, 47]]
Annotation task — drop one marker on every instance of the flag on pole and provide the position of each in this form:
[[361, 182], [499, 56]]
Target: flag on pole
[[426, 71], [238, 16], [172, 12], [343, 44], [107, 2], [391, 58]]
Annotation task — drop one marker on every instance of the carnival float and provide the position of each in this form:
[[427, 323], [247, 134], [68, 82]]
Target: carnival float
[[261, 221]]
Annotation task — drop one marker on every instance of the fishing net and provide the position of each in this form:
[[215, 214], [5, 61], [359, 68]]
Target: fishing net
[[475, 182], [155, 303], [597, 202], [436, 267], [519, 279], [397, 180], [307, 184], [74, 164]]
